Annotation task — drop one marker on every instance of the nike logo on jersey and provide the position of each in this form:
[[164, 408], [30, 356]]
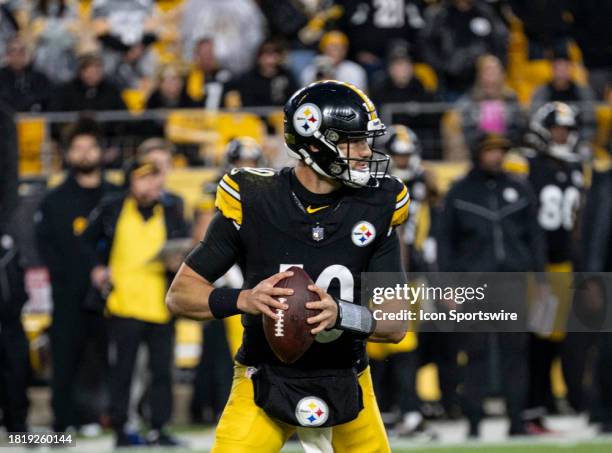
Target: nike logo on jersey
[[311, 210]]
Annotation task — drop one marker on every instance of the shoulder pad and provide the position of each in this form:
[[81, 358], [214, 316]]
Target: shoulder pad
[[399, 198], [402, 202], [228, 198]]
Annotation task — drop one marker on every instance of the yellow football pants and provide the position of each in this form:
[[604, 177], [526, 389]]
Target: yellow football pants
[[245, 427]]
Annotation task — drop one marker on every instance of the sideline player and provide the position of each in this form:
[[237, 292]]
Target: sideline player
[[555, 171], [334, 214]]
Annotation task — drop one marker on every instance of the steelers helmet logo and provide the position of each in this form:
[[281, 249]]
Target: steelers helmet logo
[[307, 120], [363, 233], [311, 411]]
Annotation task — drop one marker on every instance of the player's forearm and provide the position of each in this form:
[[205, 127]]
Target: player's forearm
[[387, 337], [387, 330], [188, 297]]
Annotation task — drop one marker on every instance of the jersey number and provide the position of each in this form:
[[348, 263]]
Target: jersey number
[[558, 207], [338, 271], [389, 13], [347, 285]]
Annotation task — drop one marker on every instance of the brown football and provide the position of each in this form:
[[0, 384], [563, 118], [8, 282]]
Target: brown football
[[289, 336]]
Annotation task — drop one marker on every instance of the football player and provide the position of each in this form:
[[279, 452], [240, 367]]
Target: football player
[[334, 214], [394, 366], [240, 152], [555, 171], [221, 338]]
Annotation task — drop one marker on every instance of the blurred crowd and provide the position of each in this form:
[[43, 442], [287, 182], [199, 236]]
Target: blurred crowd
[[515, 83], [497, 59]]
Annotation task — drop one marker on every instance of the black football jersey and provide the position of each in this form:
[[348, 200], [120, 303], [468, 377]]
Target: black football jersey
[[558, 187], [333, 239]]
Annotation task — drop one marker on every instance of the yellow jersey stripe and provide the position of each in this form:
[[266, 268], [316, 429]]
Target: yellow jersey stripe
[[400, 215], [228, 204], [230, 182], [233, 193], [402, 194]]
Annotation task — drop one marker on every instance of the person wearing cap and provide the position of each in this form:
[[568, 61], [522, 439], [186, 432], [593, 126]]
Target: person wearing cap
[[563, 88], [334, 48], [489, 224], [59, 222], [125, 241]]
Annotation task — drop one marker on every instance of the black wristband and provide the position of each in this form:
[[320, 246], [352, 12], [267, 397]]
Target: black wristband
[[354, 318], [223, 302]]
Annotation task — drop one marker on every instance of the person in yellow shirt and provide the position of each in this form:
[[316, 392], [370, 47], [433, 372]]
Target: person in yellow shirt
[[125, 239]]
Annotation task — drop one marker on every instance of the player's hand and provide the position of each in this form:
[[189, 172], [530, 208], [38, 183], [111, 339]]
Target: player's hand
[[326, 318], [260, 300], [100, 277]]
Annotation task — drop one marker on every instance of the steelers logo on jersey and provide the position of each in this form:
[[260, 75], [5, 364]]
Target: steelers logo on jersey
[[307, 120], [311, 411], [363, 233]]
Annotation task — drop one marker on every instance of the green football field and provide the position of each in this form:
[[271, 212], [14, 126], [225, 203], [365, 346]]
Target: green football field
[[594, 446]]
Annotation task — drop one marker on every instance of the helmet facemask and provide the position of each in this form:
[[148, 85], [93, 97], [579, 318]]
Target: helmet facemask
[[344, 165]]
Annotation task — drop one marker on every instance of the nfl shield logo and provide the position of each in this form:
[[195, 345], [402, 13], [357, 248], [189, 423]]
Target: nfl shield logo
[[318, 233]]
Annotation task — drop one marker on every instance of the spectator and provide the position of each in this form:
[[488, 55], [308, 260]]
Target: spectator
[[126, 29], [9, 163], [9, 26], [21, 86], [301, 24], [489, 224], [125, 238], [54, 27], [562, 88], [89, 91], [490, 106], [14, 354], [269, 83], [237, 25], [591, 29], [371, 25], [59, 222], [207, 80], [399, 85], [547, 24], [334, 46], [170, 91], [455, 36]]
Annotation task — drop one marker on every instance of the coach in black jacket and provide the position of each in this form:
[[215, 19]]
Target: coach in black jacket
[[125, 239], [489, 224], [59, 221]]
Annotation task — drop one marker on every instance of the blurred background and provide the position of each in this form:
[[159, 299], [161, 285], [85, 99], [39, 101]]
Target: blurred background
[[90, 90]]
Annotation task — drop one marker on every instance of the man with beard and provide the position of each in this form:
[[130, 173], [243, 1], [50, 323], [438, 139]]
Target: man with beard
[[60, 220]]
